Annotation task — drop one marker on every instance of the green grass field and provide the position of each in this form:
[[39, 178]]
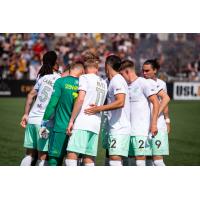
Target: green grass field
[[184, 136]]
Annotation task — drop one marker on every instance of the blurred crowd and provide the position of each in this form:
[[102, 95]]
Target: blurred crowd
[[178, 54]]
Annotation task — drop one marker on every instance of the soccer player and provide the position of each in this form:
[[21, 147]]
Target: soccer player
[[118, 108], [32, 117], [61, 103], [141, 92], [64, 74], [160, 145], [104, 132], [84, 136]]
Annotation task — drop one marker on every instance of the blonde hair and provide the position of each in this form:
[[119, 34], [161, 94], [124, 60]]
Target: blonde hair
[[90, 59]]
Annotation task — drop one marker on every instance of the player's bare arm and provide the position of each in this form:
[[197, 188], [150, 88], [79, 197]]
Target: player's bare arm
[[167, 118], [153, 127], [118, 103], [165, 99], [77, 107], [30, 98]]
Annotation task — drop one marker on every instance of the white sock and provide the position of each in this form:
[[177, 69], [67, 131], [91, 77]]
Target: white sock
[[106, 161], [69, 162], [131, 162], [89, 164], [140, 163], [149, 162], [42, 163], [115, 163], [27, 160], [159, 163]]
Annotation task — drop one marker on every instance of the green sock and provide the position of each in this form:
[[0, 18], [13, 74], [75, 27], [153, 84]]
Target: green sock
[[53, 161]]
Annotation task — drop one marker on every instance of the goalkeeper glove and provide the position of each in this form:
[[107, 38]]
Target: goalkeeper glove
[[44, 132]]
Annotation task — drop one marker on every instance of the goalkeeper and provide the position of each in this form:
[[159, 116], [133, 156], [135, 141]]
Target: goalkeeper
[[60, 107]]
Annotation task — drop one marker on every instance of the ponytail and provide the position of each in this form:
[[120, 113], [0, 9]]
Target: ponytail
[[154, 63]]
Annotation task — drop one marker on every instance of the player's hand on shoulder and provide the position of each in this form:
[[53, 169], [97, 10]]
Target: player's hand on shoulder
[[24, 121]]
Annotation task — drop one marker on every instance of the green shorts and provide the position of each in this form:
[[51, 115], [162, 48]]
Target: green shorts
[[160, 144], [58, 144], [104, 138], [84, 142], [139, 146], [104, 132], [32, 139], [118, 144]]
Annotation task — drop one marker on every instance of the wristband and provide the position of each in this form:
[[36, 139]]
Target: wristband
[[167, 120], [44, 123]]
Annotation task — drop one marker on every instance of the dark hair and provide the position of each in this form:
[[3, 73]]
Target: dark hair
[[48, 62], [114, 61], [127, 64], [154, 63]]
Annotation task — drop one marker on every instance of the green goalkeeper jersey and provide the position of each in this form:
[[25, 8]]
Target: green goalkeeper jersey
[[62, 102]]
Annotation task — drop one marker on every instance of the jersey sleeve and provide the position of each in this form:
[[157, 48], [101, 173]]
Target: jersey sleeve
[[164, 86], [38, 84], [83, 83], [53, 101], [149, 88], [119, 86], [158, 87]]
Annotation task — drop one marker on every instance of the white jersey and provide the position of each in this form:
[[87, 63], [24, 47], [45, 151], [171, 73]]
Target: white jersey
[[44, 87], [161, 124], [139, 91], [119, 119], [96, 90]]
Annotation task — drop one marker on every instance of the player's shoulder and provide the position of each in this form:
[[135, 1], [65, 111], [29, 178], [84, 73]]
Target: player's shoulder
[[53, 76], [39, 79], [141, 80], [118, 81], [57, 75], [161, 82], [118, 78], [89, 76], [85, 77], [146, 83], [150, 81]]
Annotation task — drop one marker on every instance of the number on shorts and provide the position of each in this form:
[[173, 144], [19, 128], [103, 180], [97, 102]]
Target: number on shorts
[[158, 143], [113, 143], [141, 144]]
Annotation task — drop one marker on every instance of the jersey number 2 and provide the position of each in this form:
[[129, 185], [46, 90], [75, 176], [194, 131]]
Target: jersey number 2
[[113, 143]]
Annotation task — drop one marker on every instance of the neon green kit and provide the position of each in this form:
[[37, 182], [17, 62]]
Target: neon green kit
[[61, 106]]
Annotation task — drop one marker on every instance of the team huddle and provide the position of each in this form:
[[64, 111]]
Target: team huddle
[[65, 114]]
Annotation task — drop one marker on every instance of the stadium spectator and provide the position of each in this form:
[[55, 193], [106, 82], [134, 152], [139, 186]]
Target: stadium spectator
[[176, 50]]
